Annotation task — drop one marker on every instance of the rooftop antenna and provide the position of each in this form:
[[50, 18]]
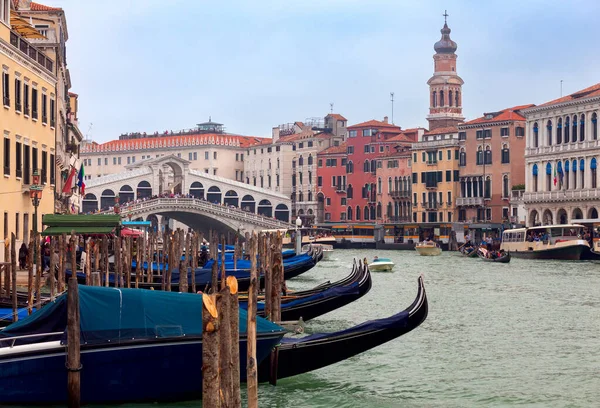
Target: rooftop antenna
[[331, 106], [392, 99], [89, 131], [561, 81]]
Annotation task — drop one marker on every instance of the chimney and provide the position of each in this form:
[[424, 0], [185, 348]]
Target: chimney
[[385, 119], [24, 4]]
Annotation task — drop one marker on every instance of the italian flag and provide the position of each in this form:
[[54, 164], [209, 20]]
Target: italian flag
[[555, 176]]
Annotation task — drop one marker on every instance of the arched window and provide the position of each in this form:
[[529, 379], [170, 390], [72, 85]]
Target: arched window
[[582, 172], [488, 187], [582, 127], [535, 177], [300, 196], [379, 187], [366, 167], [574, 168], [442, 99], [574, 136], [548, 177], [357, 213], [463, 188], [373, 166], [300, 161], [567, 129], [434, 98], [469, 188], [593, 165], [488, 155], [390, 184], [480, 186], [479, 155], [505, 154], [535, 135], [456, 100], [378, 210], [310, 160], [390, 213], [269, 163], [450, 98], [477, 192], [549, 132], [349, 211], [559, 131], [350, 167], [310, 196], [372, 213], [277, 163], [462, 158], [595, 126], [366, 213], [349, 191], [505, 190]]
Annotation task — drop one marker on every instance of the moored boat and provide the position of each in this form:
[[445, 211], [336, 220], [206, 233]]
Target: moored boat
[[325, 248], [546, 242], [381, 265], [492, 256], [135, 346], [428, 248]]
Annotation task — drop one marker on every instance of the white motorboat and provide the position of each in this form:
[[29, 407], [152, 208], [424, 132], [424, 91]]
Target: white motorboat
[[428, 248], [381, 265]]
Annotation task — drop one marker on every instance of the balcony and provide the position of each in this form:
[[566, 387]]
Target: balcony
[[563, 147], [397, 219], [564, 195], [469, 201], [277, 171], [340, 189], [310, 167], [432, 162], [261, 172], [400, 194], [431, 205], [31, 52], [430, 185]]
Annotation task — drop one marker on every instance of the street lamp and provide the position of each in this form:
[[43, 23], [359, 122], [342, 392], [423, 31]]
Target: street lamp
[[298, 235], [35, 193]]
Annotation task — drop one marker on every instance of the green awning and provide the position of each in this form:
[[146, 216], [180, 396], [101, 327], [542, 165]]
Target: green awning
[[91, 230]]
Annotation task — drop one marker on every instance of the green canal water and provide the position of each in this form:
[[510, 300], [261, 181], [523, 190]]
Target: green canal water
[[522, 334]]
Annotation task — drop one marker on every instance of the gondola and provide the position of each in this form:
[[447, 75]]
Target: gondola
[[505, 258], [311, 305], [301, 355], [135, 346], [472, 254]]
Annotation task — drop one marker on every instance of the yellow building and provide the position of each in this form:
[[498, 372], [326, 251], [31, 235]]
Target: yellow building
[[27, 123], [435, 176]]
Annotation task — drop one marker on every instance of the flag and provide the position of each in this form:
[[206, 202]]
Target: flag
[[69, 183], [80, 178], [555, 176]]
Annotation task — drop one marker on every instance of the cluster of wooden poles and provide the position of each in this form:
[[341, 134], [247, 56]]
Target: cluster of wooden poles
[[220, 312]]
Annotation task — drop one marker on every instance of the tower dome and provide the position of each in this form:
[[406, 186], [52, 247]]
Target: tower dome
[[445, 45]]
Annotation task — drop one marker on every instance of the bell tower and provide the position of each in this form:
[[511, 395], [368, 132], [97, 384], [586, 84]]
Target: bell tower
[[445, 86]]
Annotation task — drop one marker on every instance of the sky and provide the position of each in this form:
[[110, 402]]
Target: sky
[[156, 65]]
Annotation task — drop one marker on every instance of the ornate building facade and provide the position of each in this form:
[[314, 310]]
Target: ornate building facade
[[562, 154]]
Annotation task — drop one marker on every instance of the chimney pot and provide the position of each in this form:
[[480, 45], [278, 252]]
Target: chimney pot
[[385, 119]]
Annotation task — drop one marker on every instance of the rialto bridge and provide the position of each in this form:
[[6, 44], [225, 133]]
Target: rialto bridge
[[165, 188]]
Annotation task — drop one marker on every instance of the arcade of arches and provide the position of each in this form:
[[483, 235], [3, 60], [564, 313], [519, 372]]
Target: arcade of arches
[[561, 215]]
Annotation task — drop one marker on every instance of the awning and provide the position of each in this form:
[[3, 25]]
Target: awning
[[78, 229], [128, 232]]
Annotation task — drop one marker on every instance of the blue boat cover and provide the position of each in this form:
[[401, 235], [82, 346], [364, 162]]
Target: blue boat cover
[[115, 315]]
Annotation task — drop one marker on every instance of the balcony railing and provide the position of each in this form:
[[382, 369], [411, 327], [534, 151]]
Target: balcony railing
[[564, 195], [400, 193], [29, 50], [340, 189], [431, 205], [466, 201], [432, 162], [397, 219], [563, 147]]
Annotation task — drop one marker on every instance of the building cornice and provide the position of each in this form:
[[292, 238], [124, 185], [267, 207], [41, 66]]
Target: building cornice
[[19, 57], [559, 105], [490, 124]]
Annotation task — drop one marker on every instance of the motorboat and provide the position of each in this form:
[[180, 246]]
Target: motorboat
[[381, 265], [563, 241], [428, 248]]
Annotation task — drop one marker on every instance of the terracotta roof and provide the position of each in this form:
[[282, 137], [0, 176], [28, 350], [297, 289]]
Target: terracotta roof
[[41, 7], [181, 141], [376, 124], [593, 90], [73, 94], [502, 116], [442, 131], [402, 137], [305, 134], [342, 148], [336, 116]]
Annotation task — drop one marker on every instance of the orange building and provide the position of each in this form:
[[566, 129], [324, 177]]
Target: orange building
[[491, 160]]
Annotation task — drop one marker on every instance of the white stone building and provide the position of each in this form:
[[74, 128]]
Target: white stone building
[[563, 149]]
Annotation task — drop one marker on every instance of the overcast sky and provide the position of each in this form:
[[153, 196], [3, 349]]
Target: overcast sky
[[146, 65]]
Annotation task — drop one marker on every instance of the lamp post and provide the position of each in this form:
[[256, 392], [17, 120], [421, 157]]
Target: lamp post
[[35, 193], [298, 235]]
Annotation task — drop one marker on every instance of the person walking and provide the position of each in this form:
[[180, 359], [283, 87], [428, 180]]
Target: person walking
[[23, 253]]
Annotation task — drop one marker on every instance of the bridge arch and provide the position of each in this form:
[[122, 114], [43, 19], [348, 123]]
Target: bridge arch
[[107, 199], [282, 213], [197, 189], [126, 194], [265, 208], [248, 203], [214, 195], [232, 198], [144, 190], [90, 203]]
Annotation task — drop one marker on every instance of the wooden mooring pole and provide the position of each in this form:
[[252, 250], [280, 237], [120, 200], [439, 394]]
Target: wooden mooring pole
[[73, 343], [13, 270], [251, 365], [210, 353], [234, 322], [30, 274], [51, 280]]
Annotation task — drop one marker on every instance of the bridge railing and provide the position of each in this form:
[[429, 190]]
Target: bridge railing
[[209, 207]]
